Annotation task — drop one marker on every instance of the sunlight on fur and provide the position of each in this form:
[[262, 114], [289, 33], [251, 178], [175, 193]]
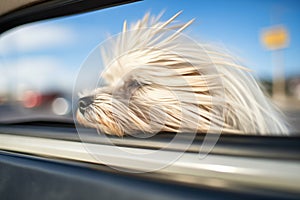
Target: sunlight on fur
[[158, 79]]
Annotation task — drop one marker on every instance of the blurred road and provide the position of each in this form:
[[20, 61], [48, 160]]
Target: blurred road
[[16, 112]]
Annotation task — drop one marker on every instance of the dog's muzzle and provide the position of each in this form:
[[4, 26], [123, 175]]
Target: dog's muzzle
[[84, 102]]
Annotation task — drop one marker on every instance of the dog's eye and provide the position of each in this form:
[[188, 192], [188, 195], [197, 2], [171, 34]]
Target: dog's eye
[[133, 84]]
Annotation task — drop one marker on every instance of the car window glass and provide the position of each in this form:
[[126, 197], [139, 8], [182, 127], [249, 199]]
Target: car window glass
[[39, 62]]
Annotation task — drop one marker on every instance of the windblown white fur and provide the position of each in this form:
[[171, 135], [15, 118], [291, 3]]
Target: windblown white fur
[[160, 80]]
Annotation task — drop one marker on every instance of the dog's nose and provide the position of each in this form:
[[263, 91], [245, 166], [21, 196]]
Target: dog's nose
[[84, 102]]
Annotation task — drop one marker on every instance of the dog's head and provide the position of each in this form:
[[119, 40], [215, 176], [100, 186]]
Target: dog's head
[[159, 80]]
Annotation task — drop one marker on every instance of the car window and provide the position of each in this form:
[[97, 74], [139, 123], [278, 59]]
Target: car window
[[199, 94], [41, 61]]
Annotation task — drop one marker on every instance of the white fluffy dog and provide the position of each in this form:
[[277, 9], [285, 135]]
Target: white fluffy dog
[[160, 80]]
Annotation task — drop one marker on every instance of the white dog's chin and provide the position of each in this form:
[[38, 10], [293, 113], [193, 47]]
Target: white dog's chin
[[159, 80]]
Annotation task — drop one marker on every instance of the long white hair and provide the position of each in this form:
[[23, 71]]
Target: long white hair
[[161, 80]]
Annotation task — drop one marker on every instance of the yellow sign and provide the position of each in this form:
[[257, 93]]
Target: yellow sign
[[275, 38]]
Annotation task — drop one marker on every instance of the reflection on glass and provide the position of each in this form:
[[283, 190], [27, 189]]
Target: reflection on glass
[[39, 62]]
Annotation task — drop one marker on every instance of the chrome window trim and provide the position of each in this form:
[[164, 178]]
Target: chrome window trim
[[252, 172]]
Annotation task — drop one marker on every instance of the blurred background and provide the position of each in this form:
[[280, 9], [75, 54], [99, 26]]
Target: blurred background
[[39, 61]]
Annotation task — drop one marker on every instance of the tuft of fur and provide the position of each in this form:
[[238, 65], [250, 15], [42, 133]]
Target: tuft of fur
[[159, 80]]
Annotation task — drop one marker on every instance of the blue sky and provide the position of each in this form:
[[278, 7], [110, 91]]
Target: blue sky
[[235, 25]]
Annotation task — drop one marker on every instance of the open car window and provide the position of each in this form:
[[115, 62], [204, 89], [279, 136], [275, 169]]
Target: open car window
[[41, 61], [42, 78]]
